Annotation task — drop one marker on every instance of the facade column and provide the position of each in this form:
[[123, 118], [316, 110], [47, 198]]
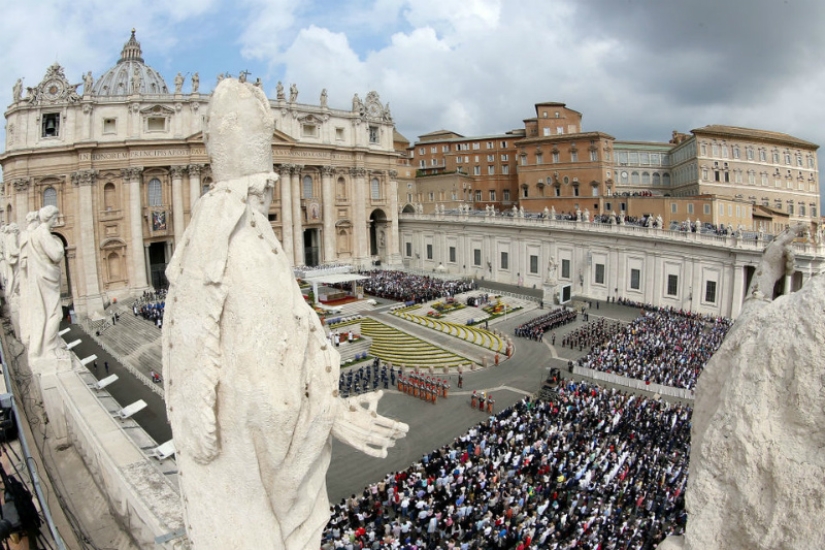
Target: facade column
[[138, 279], [328, 198], [297, 225], [177, 202], [87, 121], [286, 209], [21, 202], [147, 261], [738, 294], [393, 244], [359, 222], [194, 186], [88, 293]]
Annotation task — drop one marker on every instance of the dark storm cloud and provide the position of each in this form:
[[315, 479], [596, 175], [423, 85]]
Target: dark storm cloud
[[709, 51]]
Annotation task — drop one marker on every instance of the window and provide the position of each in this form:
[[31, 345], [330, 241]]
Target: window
[[574, 156], [801, 209], [478, 195], [422, 151], [373, 133], [476, 170], [524, 160], [408, 249], [309, 130], [505, 169], [339, 135], [505, 195], [505, 158], [476, 256], [109, 126], [422, 163], [429, 252], [635, 279], [594, 155], [674, 208], [155, 194], [534, 264], [599, 274], [595, 191], [51, 125], [431, 196], [476, 146], [775, 157], [492, 194], [445, 148], [491, 158], [787, 158], [565, 269], [559, 130], [524, 191], [375, 189], [710, 291], [504, 145], [433, 150], [706, 210], [505, 257], [156, 124], [49, 197], [459, 159], [434, 162], [491, 170], [109, 197], [539, 158], [452, 254], [556, 156], [545, 131], [763, 156], [672, 285], [690, 208], [307, 188], [576, 191]]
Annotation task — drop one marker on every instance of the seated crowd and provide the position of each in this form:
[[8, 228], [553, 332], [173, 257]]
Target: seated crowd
[[660, 347], [596, 468], [535, 328], [406, 287]]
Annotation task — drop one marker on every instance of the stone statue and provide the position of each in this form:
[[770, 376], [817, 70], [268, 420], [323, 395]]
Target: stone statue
[[546, 213], [17, 90], [21, 275], [242, 76], [586, 215], [258, 83], [515, 210], [137, 80], [357, 106], [3, 276], [552, 212], [660, 223], [220, 77], [43, 301], [293, 93], [178, 83], [520, 211], [612, 219], [757, 428], [621, 217], [196, 83], [578, 214], [551, 270], [11, 255], [324, 98], [279, 91], [251, 380], [387, 113], [88, 83]]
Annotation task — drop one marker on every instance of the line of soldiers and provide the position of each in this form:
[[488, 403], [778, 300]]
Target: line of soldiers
[[482, 401], [423, 387], [366, 378]]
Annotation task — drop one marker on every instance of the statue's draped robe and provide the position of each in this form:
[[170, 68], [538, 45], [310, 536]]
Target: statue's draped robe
[[42, 302], [249, 382]]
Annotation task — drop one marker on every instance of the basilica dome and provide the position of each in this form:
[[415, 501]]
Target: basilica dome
[[131, 75]]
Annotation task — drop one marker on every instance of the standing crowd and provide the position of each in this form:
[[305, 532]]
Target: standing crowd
[[406, 287], [596, 469], [594, 332], [535, 328]]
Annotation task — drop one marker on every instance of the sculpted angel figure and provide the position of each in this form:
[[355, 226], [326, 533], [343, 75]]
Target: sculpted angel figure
[[88, 82], [293, 93], [178, 83], [43, 301], [251, 380], [17, 90], [196, 82]]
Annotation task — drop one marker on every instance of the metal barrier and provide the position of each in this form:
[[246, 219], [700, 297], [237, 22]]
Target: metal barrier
[[619, 380]]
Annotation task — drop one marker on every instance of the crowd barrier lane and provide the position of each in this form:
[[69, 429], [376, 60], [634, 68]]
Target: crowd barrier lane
[[620, 380]]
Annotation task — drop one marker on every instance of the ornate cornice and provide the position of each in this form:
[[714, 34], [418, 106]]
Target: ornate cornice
[[297, 168], [177, 171], [327, 170], [195, 169], [84, 178], [21, 184], [285, 169], [358, 172]]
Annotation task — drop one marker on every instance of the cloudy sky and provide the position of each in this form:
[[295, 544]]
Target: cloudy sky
[[636, 69]]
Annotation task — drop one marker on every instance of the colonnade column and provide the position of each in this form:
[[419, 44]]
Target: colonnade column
[[297, 225], [138, 279], [177, 202], [738, 294], [194, 185], [89, 293], [286, 210], [393, 245], [21, 201], [359, 221], [328, 198]]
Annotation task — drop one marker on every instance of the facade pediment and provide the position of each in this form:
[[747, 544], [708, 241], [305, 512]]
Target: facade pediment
[[157, 110]]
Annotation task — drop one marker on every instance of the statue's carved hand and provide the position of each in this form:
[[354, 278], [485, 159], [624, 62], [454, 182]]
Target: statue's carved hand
[[359, 425], [774, 264]]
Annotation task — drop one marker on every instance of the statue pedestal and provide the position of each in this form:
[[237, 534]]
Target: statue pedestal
[[551, 296], [45, 372]]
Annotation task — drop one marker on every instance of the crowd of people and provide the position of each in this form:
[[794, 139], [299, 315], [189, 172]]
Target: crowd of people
[[661, 346], [672, 311], [595, 332], [406, 287], [151, 310], [534, 329], [596, 469]]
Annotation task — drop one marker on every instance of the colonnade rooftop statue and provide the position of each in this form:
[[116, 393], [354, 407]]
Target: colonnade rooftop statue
[[251, 381]]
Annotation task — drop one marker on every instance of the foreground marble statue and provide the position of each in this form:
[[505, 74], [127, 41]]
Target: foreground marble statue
[[251, 381], [757, 470], [42, 299]]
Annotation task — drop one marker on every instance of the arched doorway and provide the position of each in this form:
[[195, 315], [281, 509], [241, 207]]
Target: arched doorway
[[379, 229], [408, 209]]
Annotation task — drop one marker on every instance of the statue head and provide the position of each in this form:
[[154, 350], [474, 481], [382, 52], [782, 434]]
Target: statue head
[[238, 133], [48, 215], [32, 218], [12, 228]]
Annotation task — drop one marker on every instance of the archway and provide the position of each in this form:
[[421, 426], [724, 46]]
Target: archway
[[378, 233], [408, 209]]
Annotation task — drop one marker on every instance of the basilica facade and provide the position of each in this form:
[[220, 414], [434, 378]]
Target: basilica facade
[[123, 159]]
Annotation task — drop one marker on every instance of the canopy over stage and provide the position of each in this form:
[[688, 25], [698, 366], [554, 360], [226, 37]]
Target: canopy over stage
[[330, 279]]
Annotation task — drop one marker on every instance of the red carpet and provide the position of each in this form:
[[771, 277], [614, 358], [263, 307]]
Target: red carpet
[[342, 301]]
